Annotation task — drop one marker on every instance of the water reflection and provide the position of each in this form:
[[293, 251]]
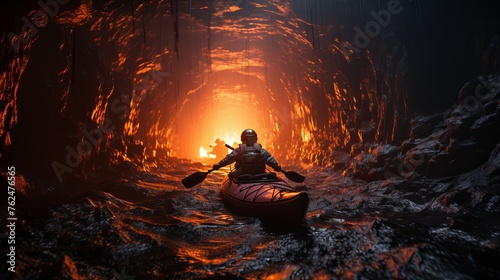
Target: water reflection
[[173, 232]]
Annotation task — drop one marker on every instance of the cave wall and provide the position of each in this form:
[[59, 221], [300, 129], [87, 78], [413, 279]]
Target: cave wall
[[97, 83]]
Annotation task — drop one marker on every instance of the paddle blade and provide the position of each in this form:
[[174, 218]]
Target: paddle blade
[[194, 179], [294, 176]]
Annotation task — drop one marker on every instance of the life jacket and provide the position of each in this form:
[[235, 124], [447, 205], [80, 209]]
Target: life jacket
[[250, 160]]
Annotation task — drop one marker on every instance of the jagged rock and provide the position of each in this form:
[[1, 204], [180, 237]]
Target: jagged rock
[[362, 164], [459, 127], [471, 109], [394, 168], [410, 144], [383, 152], [427, 145], [340, 160], [417, 157], [424, 126], [459, 157], [365, 158], [371, 163]]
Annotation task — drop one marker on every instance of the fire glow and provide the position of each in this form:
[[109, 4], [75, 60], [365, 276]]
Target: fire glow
[[231, 140], [204, 153]]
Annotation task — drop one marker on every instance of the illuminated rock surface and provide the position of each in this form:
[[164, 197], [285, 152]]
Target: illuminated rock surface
[[106, 107]]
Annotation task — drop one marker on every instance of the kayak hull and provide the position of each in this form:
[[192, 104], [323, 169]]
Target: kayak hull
[[272, 200]]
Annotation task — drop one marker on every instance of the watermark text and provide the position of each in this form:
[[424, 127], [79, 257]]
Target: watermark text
[[11, 219]]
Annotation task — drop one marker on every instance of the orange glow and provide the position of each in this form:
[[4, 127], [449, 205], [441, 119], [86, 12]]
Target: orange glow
[[306, 135], [205, 154], [284, 274], [223, 114], [231, 140], [396, 258]]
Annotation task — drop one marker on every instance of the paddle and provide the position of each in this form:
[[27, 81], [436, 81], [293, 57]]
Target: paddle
[[294, 176], [290, 175], [229, 147], [195, 178]]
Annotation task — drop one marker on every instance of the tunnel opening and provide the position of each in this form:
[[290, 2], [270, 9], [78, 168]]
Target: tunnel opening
[[222, 108], [173, 76]]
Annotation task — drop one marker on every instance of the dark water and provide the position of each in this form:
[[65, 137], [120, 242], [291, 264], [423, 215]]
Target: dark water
[[149, 226]]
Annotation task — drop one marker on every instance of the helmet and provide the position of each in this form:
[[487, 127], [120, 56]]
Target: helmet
[[249, 136], [217, 140]]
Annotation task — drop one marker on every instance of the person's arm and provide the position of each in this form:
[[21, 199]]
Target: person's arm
[[230, 158], [270, 160]]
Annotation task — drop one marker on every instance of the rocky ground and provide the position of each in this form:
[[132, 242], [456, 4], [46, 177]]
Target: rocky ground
[[452, 159]]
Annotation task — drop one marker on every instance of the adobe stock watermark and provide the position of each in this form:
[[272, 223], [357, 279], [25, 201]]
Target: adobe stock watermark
[[372, 29], [283, 116], [486, 89], [29, 30], [93, 138]]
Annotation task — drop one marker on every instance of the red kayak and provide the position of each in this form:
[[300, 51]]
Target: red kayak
[[266, 196]]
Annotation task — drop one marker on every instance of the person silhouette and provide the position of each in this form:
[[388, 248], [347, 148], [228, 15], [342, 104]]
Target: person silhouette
[[219, 150]]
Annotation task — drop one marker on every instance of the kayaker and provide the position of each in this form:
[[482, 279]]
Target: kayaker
[[249, 156], [219, 150]]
